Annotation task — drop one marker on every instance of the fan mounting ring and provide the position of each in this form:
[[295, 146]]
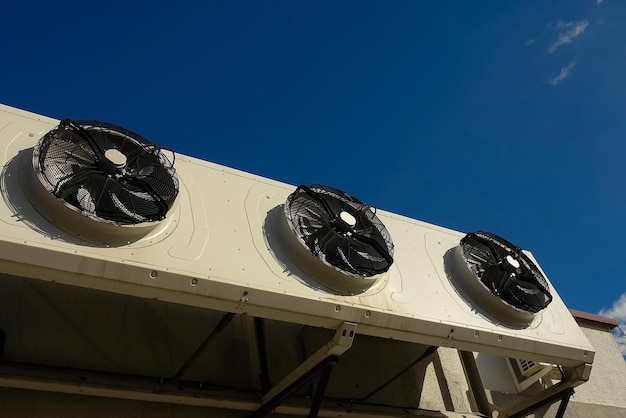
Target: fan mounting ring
[[500, 278], [336, 238], [120, 184]]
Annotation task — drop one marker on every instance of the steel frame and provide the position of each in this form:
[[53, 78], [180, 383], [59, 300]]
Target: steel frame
[[319, 363], [562, 391]]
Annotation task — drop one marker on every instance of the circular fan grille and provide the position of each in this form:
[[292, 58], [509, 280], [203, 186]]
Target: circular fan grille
[[341, 230], [506, 271], [106, 172]]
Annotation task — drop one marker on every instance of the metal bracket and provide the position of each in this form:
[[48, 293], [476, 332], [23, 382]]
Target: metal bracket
[[476, 386], [560, 392], [319, 362]]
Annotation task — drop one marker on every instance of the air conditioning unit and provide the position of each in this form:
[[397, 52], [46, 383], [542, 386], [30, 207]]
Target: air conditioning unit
[[93, 205], [527, 372]]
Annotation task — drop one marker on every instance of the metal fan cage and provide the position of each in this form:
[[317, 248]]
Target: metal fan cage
[[506, 271], [71, 163], [363, 249]]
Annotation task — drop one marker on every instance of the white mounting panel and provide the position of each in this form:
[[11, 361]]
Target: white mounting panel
[[217, 250]]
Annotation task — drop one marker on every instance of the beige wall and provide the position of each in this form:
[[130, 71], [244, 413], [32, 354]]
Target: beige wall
[[607, 385]]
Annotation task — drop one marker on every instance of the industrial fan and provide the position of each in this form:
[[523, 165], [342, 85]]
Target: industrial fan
[[340, 230], [508, 274], [106, 172]]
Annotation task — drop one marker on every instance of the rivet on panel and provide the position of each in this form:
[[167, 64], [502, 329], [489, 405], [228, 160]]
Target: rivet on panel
[[153, 274], [194, 281]]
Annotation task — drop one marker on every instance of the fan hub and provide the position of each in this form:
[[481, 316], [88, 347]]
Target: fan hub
[[345, 222], [511, 264], [114, 161], [512, 261]]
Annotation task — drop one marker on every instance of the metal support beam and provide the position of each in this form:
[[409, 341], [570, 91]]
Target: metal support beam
[[563, 405], [319, 362], [219, 328], [321, 388], [429, 351], [560, 392], [562, 396], [572, 377], [259, 332], [476, 386], [2, 342], [324, 368]]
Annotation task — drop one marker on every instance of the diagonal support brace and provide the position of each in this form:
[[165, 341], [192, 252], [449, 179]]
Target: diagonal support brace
[[559, 392], [318, 362]]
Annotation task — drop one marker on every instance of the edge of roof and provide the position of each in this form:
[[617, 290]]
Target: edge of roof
[[611, 322]]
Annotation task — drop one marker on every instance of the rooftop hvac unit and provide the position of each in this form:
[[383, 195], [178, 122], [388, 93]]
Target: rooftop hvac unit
[[93, 205], [206, 234]]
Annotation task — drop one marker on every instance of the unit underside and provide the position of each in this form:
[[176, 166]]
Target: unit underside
[[77, 340]]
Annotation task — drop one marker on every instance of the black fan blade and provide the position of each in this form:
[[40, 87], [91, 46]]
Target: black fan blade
[[357, 246], [67, 186], [376, 250], [85, 135], [506, 271], [73, 166]]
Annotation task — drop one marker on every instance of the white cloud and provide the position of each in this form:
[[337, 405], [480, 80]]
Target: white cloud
[[598, 1], [571, 31], [563, 74], [618, 312], [541, 36]]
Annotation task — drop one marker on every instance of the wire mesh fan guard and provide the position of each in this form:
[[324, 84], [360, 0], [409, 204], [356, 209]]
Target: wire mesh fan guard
[[106, 172], [341, 230], [505, 271]]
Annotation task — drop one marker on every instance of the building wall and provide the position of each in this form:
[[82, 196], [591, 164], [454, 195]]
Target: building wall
[[607, 384]]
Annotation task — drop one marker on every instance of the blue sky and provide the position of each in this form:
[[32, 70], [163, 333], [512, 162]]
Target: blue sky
[[498, 116]]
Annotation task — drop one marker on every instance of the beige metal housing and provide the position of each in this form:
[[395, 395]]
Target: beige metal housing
[[220, 250]]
